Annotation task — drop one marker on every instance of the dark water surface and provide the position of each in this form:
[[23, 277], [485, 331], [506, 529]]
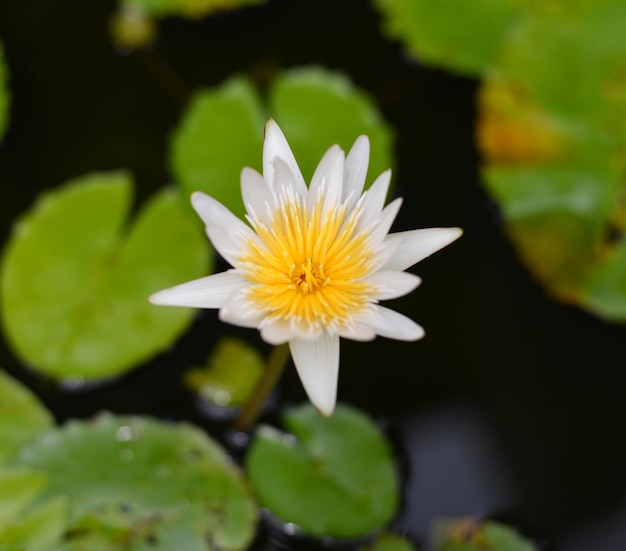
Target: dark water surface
[[512, 406]]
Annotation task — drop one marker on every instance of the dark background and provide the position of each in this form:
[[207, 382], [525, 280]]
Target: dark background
[[512, 406]]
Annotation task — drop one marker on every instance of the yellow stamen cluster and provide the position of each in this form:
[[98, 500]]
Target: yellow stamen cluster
[[309, 264]]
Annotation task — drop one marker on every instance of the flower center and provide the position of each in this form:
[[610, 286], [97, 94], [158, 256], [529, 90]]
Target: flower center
[[309, 277], [308, 265]]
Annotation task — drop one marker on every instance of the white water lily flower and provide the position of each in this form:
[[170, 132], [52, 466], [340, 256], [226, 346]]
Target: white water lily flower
[[314, 262]]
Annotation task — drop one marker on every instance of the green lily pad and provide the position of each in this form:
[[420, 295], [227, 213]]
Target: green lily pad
[[316, 109], [37, 527], [136, 483], [554, 155], [4, 94], [220, 133], [456, 34], [230, 375], [22, 417], [389, 542], [222, 130], [604, 290], [75, 281], [470, 535], [332, 476]]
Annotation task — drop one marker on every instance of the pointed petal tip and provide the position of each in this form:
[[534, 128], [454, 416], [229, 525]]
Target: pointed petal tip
[[154, 298], [447, 236], [455, 233], [202, 204], [326, 411], [163, 298], [271, 127], [317, 364]]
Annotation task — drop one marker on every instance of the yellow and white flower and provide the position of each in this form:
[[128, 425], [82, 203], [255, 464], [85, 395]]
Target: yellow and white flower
[[313, 263]]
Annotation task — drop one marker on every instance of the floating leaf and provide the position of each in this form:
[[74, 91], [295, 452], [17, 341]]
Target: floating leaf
[[38, 527], [554, 153], [317, 109], [22, 417], [389, 542], [136, 483], [231, 374], [4, 94], [470, 535], [75, 284], [331, 476], [221, 131], [456, 34], [604, 290]]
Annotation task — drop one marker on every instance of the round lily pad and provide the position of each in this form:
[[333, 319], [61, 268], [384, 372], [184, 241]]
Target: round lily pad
[[471, 535], [22, 417], [231, 373], [456, 34], [220, 133], [26, 519], [331, 476], [140, 484], [75, 279], [222, 130], [316, 108]]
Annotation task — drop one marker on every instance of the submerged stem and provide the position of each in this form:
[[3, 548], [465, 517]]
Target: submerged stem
[[275, 366]]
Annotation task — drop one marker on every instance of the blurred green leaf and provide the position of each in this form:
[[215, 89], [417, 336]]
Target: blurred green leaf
[[136, 483], [470, 535], [37, 527], [389, 542], [75, 282], [455, 34], [604, 290], [554, 153], [331, 476], [551, 128], [18, 489], [22, 417], [316, 109], [222, 130], [230, 375], [4, 94]]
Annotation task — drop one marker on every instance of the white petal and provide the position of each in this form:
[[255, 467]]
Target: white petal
[[285, 182], [238, 310], [275, 145], [257, 197], [415, 245], [392, 284], [393, 325], [317, 363], [207, 292], [276, 332], [374, 201], [327, 181], [323, 170], [355, 170], [227, 232], [357, 332], [385, 220]]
